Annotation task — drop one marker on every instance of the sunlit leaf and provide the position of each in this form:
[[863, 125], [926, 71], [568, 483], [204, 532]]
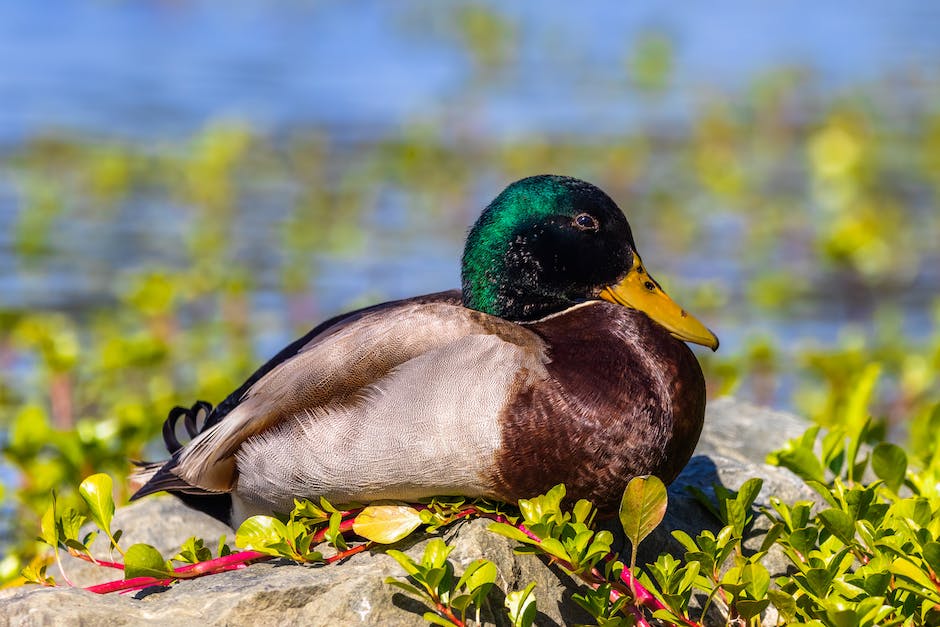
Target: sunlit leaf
[[932, 556], [839, 524], [434, 619], [642, 507], [48, 525], [522, 606], [386, 524], [509, 531], [260, 533], [435, 553], [407, 587], [748, 608], [96, 492], [889, 462], [143, 560]]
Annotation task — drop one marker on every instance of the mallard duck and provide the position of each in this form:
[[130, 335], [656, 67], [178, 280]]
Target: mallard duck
[[561, 361]]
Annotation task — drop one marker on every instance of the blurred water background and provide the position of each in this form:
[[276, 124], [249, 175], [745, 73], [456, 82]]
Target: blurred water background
[[185, 186]]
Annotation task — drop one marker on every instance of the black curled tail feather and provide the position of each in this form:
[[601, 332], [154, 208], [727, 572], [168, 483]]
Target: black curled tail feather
[[201, 410], [159, 476]]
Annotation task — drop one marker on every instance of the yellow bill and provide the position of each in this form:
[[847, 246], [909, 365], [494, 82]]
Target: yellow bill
[[639, 291]]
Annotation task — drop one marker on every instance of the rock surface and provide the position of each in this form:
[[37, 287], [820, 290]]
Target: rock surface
[[732, 449]]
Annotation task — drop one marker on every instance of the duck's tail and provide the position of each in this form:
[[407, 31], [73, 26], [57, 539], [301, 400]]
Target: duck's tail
[[151, 477]]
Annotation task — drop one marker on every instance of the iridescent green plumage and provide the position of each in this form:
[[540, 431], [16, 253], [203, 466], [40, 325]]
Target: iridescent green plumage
[[526, 256]]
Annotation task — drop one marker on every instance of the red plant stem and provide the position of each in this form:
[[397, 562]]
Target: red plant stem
[[359, 548], [97, 562], [220, 564], [447, 613], [233, 561], [638, 616], [128, 584], [345, 527], [645, 598]]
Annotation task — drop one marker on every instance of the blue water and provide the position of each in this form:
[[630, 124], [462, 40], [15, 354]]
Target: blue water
[[155, 69]]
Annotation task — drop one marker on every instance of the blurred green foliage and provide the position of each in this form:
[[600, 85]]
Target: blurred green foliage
[[784, 202]]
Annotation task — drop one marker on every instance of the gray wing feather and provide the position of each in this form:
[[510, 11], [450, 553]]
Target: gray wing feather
[[333, 368]]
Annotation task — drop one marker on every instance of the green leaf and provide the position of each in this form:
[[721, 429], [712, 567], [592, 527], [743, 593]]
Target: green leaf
[[440, 578], [521, 606], [802, 462], [544, 506], [48, 527], [510, 532], [839, 524], [785, 604], [223, 549], [407, 587], [405, 561], [308, 511], [932, 556], [889, 462], [770, 538], [33, 574], [434, 619], [583, 511], [435, 553], [685, 540], [96, 492], [193, 550], [757, 579], [804, 540], [642, 507], [143, 560], [902, 567], [916, 510], [261, 533], [480, 572], [386, 523], [749, 609], [797, 456], [334, 536], [69, 525], [736, 516], [856, 412], [691, 571], [842, 617], [818, 581], [748, 492], [461, 602], [555, 548]]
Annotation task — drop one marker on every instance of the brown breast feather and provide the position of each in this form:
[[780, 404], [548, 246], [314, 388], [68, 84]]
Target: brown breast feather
[[623, 398]]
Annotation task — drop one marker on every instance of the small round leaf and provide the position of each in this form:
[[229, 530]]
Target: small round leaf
[[142, 560]]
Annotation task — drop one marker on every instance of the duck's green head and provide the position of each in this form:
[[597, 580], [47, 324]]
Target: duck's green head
[[549, 242]]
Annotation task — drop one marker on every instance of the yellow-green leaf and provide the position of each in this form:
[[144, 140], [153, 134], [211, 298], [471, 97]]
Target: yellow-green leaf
[[521, 606], [96, 492], [386, 524], [48, 527], [642, 507], [259, 532], [142, 560], [889, 462]]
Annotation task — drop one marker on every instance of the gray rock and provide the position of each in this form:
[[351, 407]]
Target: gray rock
[[735, 441]]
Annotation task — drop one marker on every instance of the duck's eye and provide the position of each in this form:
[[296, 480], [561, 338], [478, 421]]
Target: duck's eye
[[586, 221]]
